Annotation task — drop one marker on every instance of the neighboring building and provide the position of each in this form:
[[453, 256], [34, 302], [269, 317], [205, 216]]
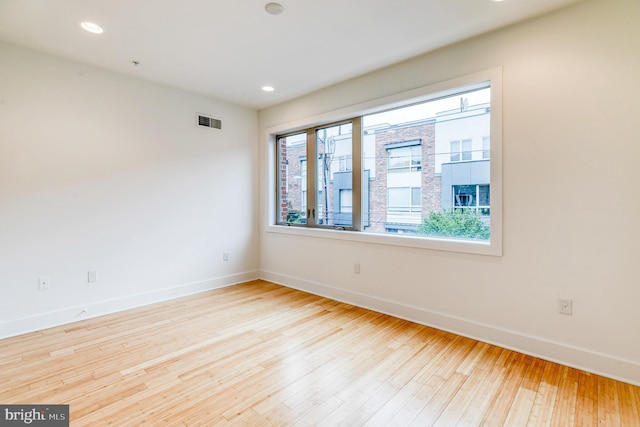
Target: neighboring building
[[410, 170], [463, 147], [403, 184]]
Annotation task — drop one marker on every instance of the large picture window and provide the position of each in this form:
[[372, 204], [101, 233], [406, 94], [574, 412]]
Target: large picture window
[[423, 169]]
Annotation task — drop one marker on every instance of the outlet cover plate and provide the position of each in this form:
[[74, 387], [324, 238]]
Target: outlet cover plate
[[565, 306], [43, 283]]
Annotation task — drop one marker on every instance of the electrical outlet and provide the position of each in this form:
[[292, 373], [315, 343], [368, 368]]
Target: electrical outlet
[[225, 256], [565, 306], [92, 276], [356, 268], [43, 283]]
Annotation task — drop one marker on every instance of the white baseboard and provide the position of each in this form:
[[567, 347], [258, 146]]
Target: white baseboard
[[601, 364], [73, 314]]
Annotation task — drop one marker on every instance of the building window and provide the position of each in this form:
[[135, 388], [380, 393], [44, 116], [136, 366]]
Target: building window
[[345, 163], [461, 150], [404, 159], [346, 201], [403, 199], [472, 198], [486, 147], [397, 169]]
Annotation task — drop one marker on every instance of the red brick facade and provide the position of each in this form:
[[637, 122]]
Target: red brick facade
[[430, 183]]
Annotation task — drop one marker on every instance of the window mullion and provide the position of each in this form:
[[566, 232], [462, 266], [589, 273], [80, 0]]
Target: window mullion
[[311, 178], [356, 175]]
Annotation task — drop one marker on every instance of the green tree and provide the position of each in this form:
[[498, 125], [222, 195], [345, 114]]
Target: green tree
[[460, 223]]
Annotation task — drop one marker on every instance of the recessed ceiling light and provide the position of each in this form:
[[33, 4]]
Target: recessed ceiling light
[[268, 88], [91, 27], [274, 8]]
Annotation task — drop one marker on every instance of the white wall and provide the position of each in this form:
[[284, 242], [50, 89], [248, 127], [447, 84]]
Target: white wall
[[107, 172], [571, 197]]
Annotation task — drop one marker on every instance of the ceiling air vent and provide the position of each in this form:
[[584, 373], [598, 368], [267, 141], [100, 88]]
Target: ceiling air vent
[[209, 122]]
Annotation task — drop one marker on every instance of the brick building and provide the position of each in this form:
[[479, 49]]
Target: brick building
[[403, 187]]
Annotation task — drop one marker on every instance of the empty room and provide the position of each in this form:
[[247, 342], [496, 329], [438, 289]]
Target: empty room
[[413, 213]]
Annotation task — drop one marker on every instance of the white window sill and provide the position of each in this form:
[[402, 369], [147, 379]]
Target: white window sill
[[451, 245]]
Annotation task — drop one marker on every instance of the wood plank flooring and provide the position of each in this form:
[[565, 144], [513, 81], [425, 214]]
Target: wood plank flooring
[[260, 354]]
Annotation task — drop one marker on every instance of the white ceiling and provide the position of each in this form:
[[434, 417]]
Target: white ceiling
[[229, 49]]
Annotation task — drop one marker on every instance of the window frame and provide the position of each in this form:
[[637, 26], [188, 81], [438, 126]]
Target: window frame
[[456, 86]]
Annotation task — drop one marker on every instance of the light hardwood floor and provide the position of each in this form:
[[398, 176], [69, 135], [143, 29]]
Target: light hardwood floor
[[261, 354]]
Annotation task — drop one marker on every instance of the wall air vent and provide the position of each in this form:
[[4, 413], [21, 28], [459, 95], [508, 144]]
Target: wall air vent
[[209, 122]]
